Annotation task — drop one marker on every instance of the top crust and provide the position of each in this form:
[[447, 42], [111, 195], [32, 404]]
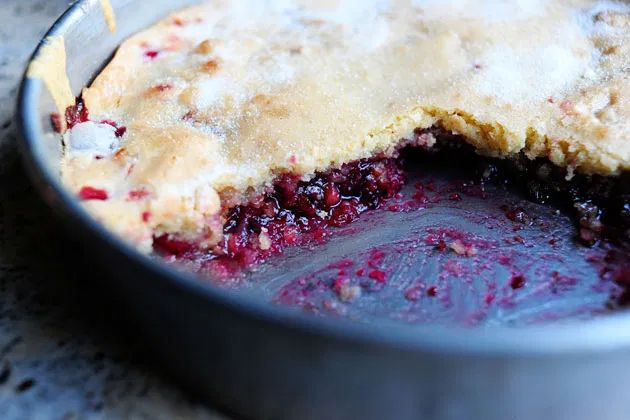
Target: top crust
[[221, 97]]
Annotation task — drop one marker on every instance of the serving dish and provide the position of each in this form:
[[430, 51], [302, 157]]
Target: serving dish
[[262, 360]]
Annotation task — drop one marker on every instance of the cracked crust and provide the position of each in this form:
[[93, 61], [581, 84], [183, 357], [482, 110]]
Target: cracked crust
[[221, 97]]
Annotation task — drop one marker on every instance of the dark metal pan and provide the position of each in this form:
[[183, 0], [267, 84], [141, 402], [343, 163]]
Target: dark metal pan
[[542, 355]]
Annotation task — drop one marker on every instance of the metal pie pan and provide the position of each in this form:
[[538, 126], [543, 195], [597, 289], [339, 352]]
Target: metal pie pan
[[268, 361]]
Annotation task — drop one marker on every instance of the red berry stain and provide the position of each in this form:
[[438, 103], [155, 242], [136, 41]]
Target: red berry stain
[[76, 114], [341, 264], [135, 195], [453, 268], [414, 292], [519, 239], [375, 258], [162, 87], [561, 282], [517, 281], [173, 245], [432, 291], [420, 197], [91, 193], [378, 275], [151, 54], [120, 130]]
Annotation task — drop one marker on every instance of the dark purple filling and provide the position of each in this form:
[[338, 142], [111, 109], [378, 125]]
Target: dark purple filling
[[297, 212], [600, 205]]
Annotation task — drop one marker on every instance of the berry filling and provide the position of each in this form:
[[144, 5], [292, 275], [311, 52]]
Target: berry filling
[[298, 212], [73, 115], [600, 205], [76, 114]]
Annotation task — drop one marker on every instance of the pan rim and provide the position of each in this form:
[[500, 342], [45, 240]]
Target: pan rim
[[600, 334]]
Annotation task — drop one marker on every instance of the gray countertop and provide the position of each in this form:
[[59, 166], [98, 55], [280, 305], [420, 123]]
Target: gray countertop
[[61, 356]]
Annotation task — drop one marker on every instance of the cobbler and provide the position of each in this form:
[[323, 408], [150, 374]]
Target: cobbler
[[239, 128]]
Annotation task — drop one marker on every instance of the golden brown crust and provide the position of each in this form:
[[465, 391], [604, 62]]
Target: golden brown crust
[[226, 94], [108, 14], [50, 67]]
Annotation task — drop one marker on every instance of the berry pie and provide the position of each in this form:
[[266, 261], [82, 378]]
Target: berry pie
[[241, 127]]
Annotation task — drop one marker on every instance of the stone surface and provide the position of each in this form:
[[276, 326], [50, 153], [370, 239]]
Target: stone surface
[[59, 358]]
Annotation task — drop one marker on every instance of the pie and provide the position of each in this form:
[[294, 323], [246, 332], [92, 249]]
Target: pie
[[241, 127]]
